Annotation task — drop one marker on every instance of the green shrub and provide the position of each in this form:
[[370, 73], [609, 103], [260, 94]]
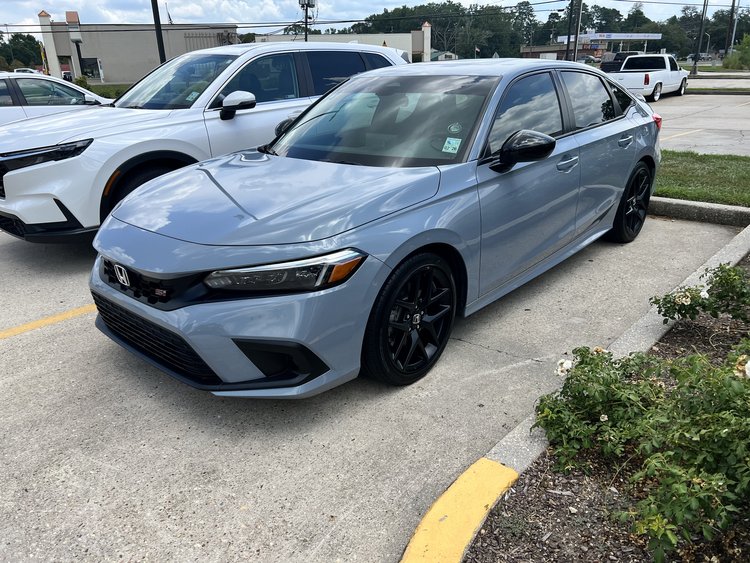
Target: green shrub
[[81, 81], [683, 425]]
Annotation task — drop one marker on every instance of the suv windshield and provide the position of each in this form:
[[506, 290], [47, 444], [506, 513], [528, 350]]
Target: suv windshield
[[177, 83], [393, 121]]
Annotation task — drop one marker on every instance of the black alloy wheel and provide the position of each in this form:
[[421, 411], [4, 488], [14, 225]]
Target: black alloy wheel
[[631, 213], [411, 321]]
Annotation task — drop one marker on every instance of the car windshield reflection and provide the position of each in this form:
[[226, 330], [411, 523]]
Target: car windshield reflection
[[403, 121]]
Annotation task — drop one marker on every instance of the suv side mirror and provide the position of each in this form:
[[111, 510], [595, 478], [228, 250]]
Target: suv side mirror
[[90, 100], [236, 101], [522, 146], [283, 126]]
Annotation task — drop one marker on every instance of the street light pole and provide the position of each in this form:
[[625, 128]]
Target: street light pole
[[157, 28], [734, 29], [697, 54]]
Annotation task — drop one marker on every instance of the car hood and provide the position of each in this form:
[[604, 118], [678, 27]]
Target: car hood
[[50, 130], [251, 198]]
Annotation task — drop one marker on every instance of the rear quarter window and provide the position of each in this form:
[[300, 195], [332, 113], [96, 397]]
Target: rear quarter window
[[330, 68]]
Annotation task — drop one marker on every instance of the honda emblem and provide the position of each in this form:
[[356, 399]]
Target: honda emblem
[[122, 275]]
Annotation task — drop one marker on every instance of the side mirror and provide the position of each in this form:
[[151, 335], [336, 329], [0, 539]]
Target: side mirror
[[282, 127], [90, 100], [523, 146], [236, 101]]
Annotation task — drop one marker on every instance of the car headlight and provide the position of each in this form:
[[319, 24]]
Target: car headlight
[[30, 157], [310, 274]]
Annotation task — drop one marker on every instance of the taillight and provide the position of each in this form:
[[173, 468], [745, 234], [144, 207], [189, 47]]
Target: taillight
[[646, 79], [657, 120]]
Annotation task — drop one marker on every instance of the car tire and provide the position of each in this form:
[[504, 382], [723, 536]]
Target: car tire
[[633, 208], [130, 183], [682, 88], [656, 94], [411, 321]]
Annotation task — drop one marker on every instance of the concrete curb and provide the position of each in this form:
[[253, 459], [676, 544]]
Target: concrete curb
[[717, 91], [450, 525]]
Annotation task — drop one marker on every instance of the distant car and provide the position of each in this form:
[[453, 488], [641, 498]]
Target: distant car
[[201, 104], [651, 76], [701, 57], [27, 70], [405, 198], [588, 59], [24, 95]]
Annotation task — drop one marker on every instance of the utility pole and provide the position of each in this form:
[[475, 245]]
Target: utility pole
[[578, 29], [157, 28], [728, 43], [734, 28], [306, 5], [570, 29], [697, 54]]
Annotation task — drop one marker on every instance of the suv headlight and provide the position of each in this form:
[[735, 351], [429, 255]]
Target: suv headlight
[[30, 157], [310, 274]]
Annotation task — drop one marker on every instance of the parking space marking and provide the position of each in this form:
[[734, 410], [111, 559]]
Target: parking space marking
[[46, 321], [681, 134], [745, 104]]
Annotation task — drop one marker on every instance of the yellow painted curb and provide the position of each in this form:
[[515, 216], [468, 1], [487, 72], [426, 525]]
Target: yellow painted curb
[[451, 523], [16, 330]]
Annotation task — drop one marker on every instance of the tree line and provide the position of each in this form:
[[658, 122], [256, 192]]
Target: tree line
[[493, 29]]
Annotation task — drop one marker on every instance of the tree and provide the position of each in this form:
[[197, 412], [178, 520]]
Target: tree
[[606, 20]]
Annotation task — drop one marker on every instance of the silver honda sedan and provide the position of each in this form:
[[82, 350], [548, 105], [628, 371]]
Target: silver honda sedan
[[401, 199]]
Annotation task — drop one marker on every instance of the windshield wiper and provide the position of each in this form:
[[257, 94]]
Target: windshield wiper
[[265, 149], [341, 161]]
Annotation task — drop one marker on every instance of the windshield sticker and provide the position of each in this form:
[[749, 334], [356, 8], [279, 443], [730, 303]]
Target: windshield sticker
[[192, 96], [451, 145]]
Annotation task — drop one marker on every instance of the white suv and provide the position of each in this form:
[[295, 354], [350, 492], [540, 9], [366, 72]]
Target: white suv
[[61, 176]]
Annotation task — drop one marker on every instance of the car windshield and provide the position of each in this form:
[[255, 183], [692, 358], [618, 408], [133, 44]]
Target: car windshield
[[392, 121], [176, 84]]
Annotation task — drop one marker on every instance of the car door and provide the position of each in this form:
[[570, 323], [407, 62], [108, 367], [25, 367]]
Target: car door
[[675, 76], [275, 81], [10, 109], [528, 212], [606, 138], [45, 97]]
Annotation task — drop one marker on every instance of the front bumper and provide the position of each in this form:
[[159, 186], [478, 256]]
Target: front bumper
[[214, 346], [69, 230]]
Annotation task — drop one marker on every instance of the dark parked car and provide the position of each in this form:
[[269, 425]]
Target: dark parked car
[[403, 198]]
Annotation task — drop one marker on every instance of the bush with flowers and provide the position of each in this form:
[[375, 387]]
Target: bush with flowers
[[681, 426]]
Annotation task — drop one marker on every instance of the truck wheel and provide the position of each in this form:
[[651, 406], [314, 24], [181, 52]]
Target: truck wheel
[[683, 86], [656, 94]]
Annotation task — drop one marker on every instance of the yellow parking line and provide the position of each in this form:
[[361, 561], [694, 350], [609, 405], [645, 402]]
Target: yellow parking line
[[449, 526], [681, 134], [46, 321]]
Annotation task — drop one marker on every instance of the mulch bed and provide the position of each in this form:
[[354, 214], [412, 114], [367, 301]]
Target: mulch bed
[[549, 516]]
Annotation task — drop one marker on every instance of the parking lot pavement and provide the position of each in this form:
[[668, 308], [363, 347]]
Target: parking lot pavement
[[711, 124], [104, 457]]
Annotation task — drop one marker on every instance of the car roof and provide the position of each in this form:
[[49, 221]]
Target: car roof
[[476, 67], [274, 46]]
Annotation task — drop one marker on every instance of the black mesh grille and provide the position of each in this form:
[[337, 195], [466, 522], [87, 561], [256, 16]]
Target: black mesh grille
[[159, 344], [12, 226]]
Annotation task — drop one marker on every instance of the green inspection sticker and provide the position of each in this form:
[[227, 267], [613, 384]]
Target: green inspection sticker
[[451, 145]]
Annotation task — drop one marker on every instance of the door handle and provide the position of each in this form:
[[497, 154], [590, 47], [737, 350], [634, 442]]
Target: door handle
[[625, 141], [565, 165]]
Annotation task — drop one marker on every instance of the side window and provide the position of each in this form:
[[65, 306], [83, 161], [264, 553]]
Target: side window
[[673, 64], [591, 101], [330, 68], [375, 61], [530, 103], [48, 93], [622, 97], [5, 99], [270, 78]]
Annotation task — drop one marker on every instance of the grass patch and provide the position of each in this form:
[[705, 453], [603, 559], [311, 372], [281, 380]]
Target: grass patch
[[713, 178], [109, 90]]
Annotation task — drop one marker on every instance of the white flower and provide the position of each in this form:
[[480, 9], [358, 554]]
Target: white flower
[[604, 418], [563, 367], [682, 298], [742, 367], [704, 294]]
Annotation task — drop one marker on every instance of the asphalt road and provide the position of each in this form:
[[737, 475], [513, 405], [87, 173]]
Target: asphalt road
[[704, 123], [104, 457]]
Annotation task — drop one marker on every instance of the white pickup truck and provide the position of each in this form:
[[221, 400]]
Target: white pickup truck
[[652, 76]]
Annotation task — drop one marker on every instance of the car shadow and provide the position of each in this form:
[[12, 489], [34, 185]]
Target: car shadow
[[71, 258]]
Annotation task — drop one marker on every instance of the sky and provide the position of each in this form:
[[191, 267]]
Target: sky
[[275, 13]]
